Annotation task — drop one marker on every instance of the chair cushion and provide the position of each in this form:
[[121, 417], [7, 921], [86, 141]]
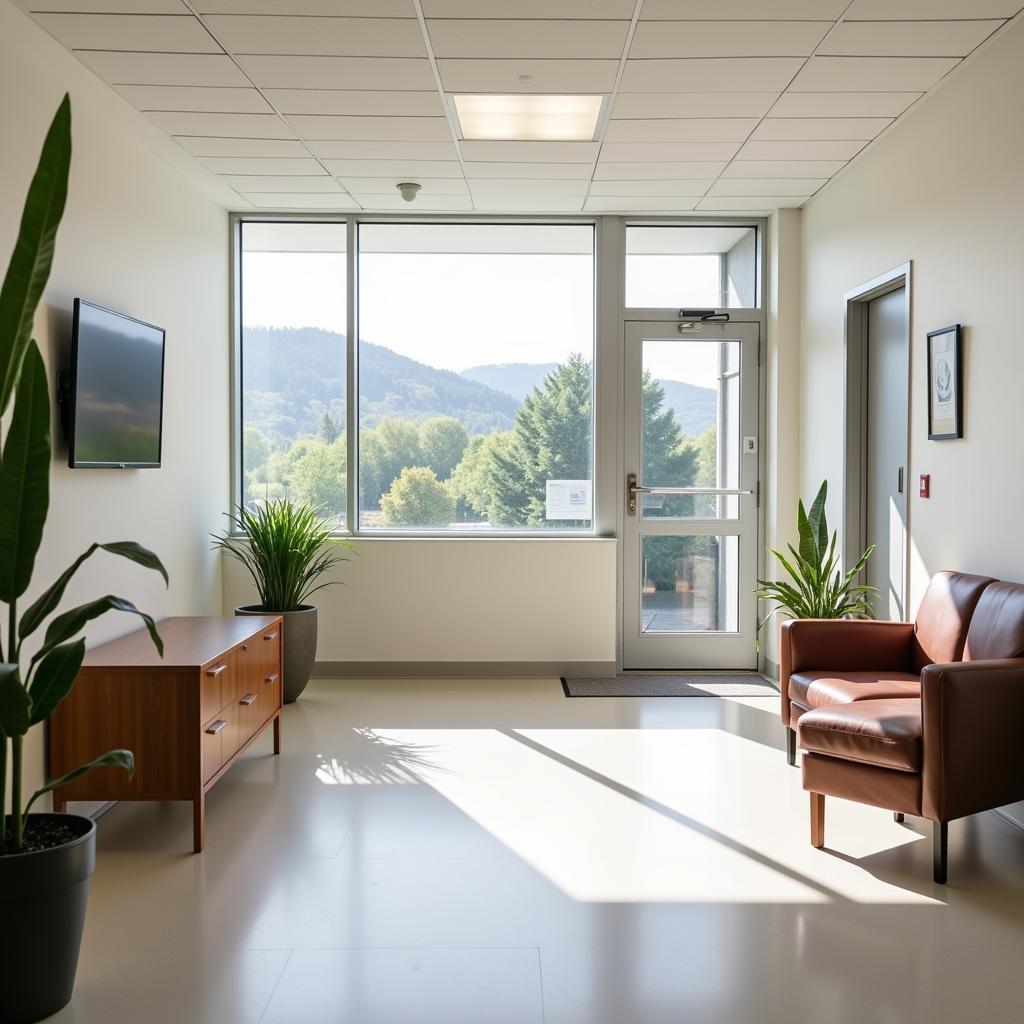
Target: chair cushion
[[823, 689], [944, 616], [885, 733], [997, 627]]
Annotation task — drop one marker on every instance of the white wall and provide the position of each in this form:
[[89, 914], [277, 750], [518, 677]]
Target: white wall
[[139, 238], [943, 190], [435, 600]]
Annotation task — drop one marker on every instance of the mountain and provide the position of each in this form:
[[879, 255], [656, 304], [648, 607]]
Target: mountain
[[516, 379], [292, 376]]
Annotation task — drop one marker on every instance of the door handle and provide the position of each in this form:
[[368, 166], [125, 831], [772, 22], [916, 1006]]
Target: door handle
[[632, 490], [899, 481]]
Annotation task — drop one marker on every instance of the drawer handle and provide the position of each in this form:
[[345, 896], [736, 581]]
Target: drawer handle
[[248, 699], [245, 647], [270, 636], [272, 678], [215, 727], [216, 670]]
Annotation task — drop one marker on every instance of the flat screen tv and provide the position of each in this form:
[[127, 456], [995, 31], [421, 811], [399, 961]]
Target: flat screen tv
[[116, 390]]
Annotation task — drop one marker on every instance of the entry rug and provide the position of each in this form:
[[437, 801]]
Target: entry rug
[[747, 684]]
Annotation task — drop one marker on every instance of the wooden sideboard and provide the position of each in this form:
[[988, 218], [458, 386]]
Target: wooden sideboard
[[186, 717]]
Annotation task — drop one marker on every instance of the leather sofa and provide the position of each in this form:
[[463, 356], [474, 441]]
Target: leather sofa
[[923, 718]]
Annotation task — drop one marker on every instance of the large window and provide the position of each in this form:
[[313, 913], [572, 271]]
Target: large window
[[475, 373]]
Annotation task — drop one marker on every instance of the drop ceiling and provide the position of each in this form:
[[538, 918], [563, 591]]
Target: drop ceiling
[[713, 105]]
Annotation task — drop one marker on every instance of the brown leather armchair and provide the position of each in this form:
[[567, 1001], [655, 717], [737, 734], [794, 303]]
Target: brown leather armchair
[[955, 747]]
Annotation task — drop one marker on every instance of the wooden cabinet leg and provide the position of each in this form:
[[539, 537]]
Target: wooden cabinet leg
[[199, 823], [60, 805], [897, 816], [277, 734], [817, 820]]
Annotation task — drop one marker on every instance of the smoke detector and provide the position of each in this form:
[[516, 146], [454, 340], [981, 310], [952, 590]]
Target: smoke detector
[[408, 190]]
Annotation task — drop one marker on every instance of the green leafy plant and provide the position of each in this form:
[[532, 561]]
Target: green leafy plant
[[819, 588], [31, 687], [286, 549]]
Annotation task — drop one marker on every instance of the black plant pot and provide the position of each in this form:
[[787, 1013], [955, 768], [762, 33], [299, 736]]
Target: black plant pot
[[299, 645], [42, 911]]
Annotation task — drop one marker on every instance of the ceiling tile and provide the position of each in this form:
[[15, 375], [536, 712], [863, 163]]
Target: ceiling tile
[[532, 152], [908, 38], [476, 169], [843, 104], [674, 169], [529, 186], [341, 37], [729, 204], [634, 204], [262, 165], [656, 187], [110, 6], [422, 204], [340, 150], [276, 72], [195, 98], [625, 152], [657, 105], [239, 126], [529, 9], [150, 32], [528, 204], [379, 129], [399, 169], [300, 201], [339, 8], [282, 183], [545, 76], [899, 10], [766, 186], [522, 38], [744, 10], [773, 128], [210, 146], [688, 129], [903, 74], [163, 68], [783, 168], [727, 38], [384, 186], [801, 150], [356, 101], [707, 74]]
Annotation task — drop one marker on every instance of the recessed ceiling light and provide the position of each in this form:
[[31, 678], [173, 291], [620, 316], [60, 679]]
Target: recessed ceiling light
[[528, 117]]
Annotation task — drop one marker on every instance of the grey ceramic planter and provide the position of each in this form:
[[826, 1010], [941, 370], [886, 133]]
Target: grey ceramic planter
[[42, 911], [299, 645]]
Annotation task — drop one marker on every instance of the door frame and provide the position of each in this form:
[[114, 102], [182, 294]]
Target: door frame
[[855, 468]]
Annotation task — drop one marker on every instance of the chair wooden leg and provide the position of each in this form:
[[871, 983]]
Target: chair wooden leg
[[897, 816], [817, 820], [940, 850], [791, 746]]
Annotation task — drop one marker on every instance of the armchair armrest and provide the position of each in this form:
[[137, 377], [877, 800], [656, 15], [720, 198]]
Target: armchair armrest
[[973, 736]]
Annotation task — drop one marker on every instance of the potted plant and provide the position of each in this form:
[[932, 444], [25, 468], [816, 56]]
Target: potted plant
[[284, 547], [818, 589], [45, 859]]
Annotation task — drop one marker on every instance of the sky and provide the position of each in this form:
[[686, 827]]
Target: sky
[[454, 310]]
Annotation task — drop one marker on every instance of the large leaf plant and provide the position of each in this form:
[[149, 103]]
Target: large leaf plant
[[817, 587], [32, 685]]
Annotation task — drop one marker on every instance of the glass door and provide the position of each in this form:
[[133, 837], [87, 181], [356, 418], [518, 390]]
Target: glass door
[[690, 491]]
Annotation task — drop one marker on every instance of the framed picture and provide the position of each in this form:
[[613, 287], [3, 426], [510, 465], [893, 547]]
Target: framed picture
[[945, 392]]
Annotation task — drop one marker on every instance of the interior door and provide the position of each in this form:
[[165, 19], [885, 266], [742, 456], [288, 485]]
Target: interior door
[[690, 491]]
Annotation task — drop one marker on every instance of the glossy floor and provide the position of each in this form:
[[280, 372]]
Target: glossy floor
[[487, 852]]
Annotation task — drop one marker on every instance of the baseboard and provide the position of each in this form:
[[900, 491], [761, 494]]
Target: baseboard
[[461, 669], [1011, 818], [771, 670]]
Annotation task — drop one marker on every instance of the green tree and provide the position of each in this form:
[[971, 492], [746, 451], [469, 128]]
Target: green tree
[[418, 498], [472, 483], [328, 429], [384, 452], [707, 458], [443, 440], [319, 475]]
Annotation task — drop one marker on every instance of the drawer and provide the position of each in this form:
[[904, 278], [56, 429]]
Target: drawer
[[212, 680], [219, 740]]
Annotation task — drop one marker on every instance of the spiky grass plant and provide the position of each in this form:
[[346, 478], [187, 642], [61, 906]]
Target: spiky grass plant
[[819, 589], [286, 547]]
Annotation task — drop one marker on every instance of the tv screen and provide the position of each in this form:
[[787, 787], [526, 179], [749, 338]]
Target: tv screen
[[117, 385]]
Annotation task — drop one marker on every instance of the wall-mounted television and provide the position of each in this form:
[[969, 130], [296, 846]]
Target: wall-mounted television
[[115, 390]]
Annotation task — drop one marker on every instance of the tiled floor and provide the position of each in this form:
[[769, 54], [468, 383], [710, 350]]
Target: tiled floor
[[488, 852]]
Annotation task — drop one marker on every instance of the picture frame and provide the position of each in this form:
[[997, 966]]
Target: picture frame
[[945, 384]]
